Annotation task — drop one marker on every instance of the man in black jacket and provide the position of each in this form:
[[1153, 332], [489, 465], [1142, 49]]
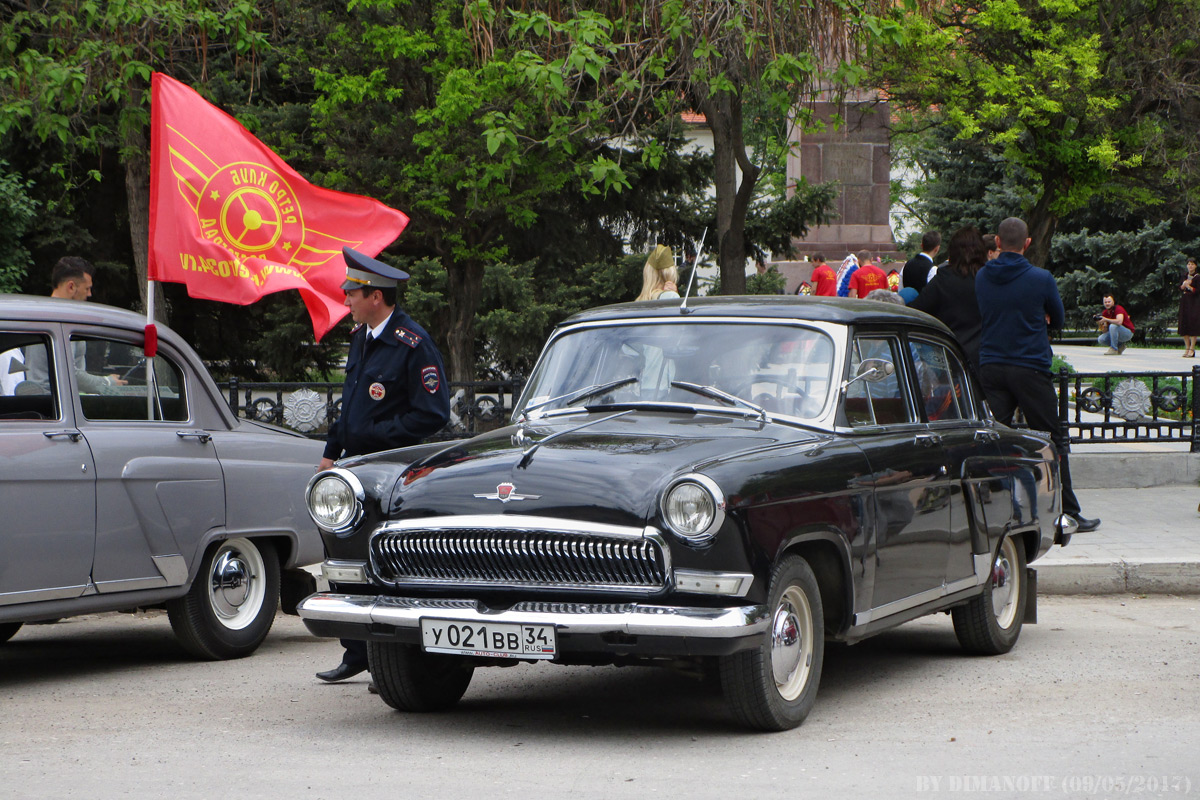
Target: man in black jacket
[[916, 270]]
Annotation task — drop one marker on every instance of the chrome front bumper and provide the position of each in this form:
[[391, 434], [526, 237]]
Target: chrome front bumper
[[569, 619]]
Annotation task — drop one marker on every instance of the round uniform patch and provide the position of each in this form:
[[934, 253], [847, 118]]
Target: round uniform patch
[[376, 391], [431, 379]]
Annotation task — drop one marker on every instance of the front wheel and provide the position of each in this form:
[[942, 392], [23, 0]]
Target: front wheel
[[231, 604], [8, 630], [990, 623], [773, 686], [410, 679]]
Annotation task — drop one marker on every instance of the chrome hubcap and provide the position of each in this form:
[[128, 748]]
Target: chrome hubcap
[[237, 585], [1005, 585], [230, 583], [791, 643]]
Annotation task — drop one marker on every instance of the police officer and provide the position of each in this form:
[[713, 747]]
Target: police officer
[[395, 392]]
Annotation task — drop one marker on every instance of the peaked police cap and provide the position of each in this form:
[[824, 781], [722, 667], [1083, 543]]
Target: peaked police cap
[[365, 272]]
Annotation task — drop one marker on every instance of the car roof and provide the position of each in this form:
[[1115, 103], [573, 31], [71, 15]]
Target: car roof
[[54, 309], [817, 309]]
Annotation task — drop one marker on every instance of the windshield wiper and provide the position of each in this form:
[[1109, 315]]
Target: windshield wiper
[[717, 394], [533, 446], [576, 396]]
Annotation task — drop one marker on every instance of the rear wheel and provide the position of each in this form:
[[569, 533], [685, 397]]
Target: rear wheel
[[990, 623], [773, 686], [231, 605], [8, 630], [410, 679]]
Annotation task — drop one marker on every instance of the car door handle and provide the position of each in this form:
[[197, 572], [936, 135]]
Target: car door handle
[[70, 433], [987, 436], [927, 439], [203, 436]]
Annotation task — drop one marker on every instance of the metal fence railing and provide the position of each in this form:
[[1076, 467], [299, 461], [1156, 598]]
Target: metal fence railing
[[1130, 406], [1094, 407], [475, 407]]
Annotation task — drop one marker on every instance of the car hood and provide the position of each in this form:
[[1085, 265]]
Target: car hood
[[610, 471]]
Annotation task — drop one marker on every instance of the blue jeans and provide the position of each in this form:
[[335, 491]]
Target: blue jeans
[[1115, 336]]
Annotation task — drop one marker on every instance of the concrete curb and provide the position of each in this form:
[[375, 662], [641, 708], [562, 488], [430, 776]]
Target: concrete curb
[[1119, 577], [1133, 470]]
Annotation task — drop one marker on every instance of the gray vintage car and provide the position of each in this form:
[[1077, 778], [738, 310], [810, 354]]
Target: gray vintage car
[[722, 485], [127, 483]]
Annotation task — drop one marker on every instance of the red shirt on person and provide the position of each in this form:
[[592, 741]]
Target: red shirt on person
[[826, 281], [868, 278], [1111, 313]]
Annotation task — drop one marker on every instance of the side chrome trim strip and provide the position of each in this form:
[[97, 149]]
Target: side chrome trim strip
[[982, 568]]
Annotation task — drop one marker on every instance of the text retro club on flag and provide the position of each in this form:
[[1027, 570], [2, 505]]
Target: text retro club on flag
[[233, 222]]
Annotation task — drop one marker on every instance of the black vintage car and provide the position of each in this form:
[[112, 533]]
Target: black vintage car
[[730, 481]]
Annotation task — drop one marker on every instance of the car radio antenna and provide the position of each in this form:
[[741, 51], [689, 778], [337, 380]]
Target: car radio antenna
[[683, 309]]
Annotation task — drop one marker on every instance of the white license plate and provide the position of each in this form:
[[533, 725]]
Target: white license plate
[[489, 639]]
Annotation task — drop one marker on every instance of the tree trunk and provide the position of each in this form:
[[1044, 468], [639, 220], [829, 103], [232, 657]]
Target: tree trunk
[[724, 114], [137, 192], [465, 290], [1042, 223]]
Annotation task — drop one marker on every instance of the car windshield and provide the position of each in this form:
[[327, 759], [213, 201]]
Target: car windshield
[[785, 369]]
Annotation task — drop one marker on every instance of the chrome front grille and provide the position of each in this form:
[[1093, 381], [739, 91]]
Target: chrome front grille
[[524, 552]]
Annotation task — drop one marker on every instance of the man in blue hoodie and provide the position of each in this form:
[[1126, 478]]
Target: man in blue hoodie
[[1019, 303]]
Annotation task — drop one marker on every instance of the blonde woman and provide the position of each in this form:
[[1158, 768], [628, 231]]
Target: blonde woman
[[659, 276]]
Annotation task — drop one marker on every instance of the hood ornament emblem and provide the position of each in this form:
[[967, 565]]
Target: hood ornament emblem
[[505, 492]]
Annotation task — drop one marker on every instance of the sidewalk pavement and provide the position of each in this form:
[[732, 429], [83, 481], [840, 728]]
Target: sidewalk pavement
[[1146, 495]]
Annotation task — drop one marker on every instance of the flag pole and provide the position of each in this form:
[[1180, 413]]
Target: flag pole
[[150, 349]]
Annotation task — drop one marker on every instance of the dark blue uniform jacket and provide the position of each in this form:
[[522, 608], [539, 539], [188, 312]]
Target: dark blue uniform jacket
[[395, 394]]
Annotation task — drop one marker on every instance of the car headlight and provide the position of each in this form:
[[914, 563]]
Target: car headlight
[[335, 500], [694, 508]]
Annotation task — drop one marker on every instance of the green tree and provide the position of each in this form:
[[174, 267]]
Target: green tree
[[17, 213], [77, 73], [616, 66], [1094, 100]]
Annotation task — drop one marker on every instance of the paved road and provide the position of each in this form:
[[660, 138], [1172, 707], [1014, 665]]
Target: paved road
[[1103, 692]]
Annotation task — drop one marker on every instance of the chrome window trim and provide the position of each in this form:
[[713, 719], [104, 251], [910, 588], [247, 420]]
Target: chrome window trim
[[903, 376], [973, 403], [164, 351], [837, 332]]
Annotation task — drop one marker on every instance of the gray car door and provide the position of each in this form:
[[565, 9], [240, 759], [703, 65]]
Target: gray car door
[[47, 475], [159, 486]]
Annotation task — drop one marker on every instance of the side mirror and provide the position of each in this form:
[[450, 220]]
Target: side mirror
[[874, 370]]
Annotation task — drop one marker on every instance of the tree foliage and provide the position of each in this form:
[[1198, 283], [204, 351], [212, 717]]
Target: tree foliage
[[620, 65], [1093, 99]]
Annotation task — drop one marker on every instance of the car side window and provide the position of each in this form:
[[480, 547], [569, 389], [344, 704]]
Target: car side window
[[941, 382], [26, 377], [114, 382], [876, 402]]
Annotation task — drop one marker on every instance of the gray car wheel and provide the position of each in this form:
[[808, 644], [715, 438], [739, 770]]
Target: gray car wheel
[[8, 630], [990, 623], [410, 679], [231, 604], [773, 686]]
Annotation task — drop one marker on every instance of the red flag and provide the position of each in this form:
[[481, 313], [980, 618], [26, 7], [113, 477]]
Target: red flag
[[232, 221]]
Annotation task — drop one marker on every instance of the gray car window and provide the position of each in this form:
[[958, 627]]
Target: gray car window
[[26, 380], [120, 387]]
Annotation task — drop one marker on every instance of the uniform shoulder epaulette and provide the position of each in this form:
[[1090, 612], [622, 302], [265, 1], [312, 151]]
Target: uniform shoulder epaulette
[[356, 328], [408, 337]]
